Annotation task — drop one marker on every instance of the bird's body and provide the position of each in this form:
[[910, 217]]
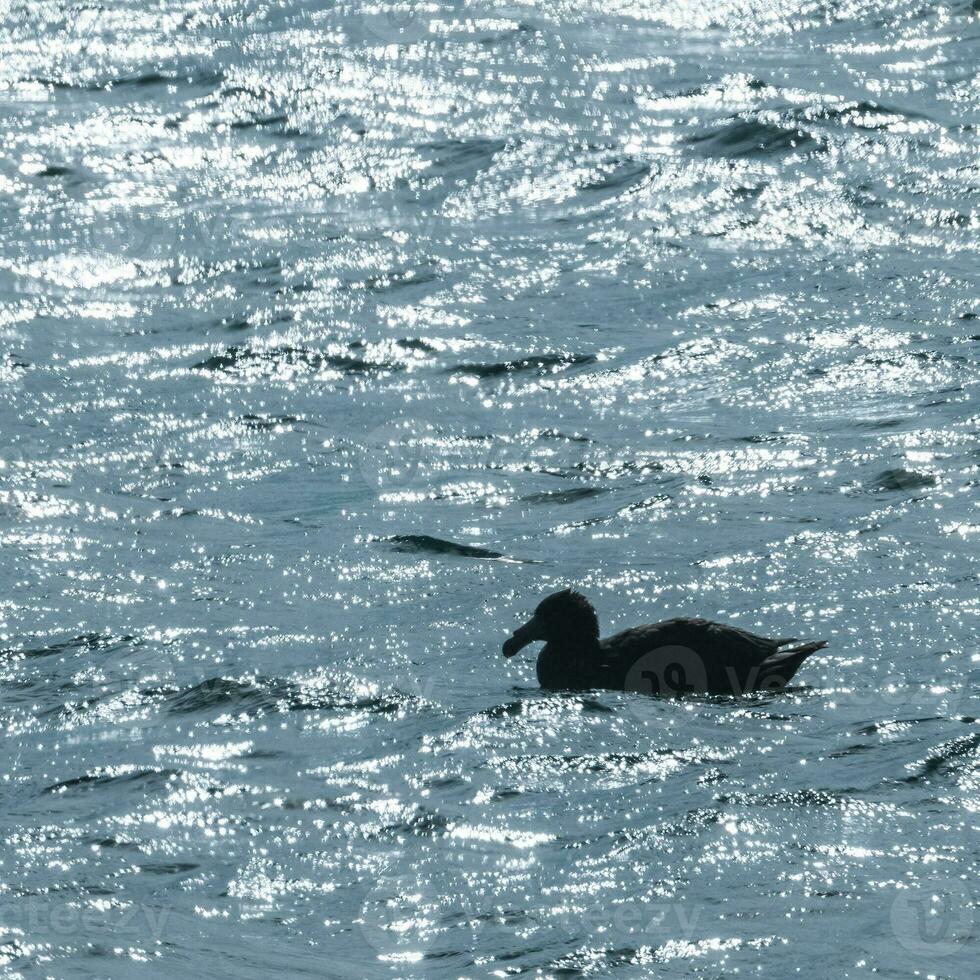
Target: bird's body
[[675, 657]]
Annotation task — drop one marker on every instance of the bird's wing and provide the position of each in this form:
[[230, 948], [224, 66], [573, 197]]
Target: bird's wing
[[681, 655], [741, 644], [713, 642]]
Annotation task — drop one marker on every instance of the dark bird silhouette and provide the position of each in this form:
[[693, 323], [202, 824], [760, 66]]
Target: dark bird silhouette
[[675, 657]]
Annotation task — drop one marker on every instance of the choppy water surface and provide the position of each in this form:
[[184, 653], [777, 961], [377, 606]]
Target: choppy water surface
[[334, 336]]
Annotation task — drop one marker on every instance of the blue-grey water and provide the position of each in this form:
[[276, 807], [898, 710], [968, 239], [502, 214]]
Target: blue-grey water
[[333, 336]]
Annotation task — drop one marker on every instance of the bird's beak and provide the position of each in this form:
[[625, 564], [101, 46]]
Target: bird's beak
[[532, 630]]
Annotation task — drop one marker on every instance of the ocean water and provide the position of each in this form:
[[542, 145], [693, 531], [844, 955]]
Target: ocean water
[[335, 336]]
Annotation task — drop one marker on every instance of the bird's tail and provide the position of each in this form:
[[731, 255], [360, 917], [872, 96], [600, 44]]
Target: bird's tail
[[777, 670], [802, 651]]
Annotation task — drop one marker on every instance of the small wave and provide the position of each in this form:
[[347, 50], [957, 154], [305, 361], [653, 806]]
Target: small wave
[[437, 546], [902, 479], [768, 438], [253, 696], [234, 324], [860, 115], [562, 436], [876, 424], [944, 757], [259, 122], [207, 79], [563, 496], [263, 422], [424, 823], [596, 764], [169, 868], [691, 824], [619, 175], [750, 137], [112, 842], [393, 281], [113, 776], [234, 359], [858, 748], [510, 709], [545, 363], [880, 727], [83, 642], [303, 698], [469, 156], [55, 170], [544, 708], [415, 343], [785, 798], [218, 692]]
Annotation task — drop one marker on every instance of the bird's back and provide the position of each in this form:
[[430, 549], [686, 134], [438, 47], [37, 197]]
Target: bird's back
[[694, 655]]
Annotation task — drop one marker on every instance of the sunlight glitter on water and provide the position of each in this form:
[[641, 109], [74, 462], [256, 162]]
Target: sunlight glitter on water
[[334, 337]]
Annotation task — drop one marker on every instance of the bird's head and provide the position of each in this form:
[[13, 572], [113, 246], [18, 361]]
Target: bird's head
[[566, 617]]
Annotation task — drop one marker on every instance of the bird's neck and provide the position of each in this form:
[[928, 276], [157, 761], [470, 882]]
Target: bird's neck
[[567, 662]]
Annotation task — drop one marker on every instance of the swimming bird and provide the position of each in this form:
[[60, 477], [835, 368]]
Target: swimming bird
[[672, 658]]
